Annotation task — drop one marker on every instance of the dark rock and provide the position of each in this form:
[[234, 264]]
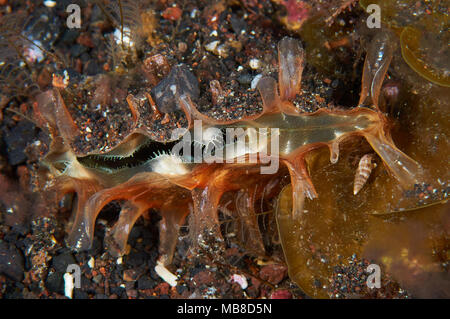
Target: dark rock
[[146, 282], [92, 68], [97, 279], [154, 275], [253, 292], [19, 285], [16, 139], [77, 50], [11, 262], [136, 259], [245, 79], [63, 260], [43, 26], [153, 256], [198, 268], [181, 289], [85, 57], [96, 247], [55, 282], [149, 237], [135, 233], [180, 81], [34, 286], [130, 285], [70, 36], [335, 84], [96, 14], [11, 237], [132, 293], [118, 291], [21, 229], [238, 25], [86, 284], [14, 294], [82, 257], [80, 294]]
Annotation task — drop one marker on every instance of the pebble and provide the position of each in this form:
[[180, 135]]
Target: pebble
[[254, 64], [54, 282], [211, 47], [70, 36], [145, 282], [17, 139], [241, 280], [273, 273], [162, 288], [79, 294], [49, 3], [182, 47], [92, 68], [172, 13], [91, 262], [203, 278], [63, 260], [130, 275], [77, 50], [97, 279], [281, 294]]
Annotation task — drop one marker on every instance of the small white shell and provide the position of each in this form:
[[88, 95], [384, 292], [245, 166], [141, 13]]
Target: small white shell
[[241, 280], [68, 285], [165, 274], [363, 172]]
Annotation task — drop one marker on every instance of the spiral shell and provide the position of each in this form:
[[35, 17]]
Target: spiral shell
[[363, 171]]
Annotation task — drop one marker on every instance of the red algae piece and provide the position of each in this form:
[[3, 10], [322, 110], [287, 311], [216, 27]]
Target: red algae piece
[[281, 294]]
